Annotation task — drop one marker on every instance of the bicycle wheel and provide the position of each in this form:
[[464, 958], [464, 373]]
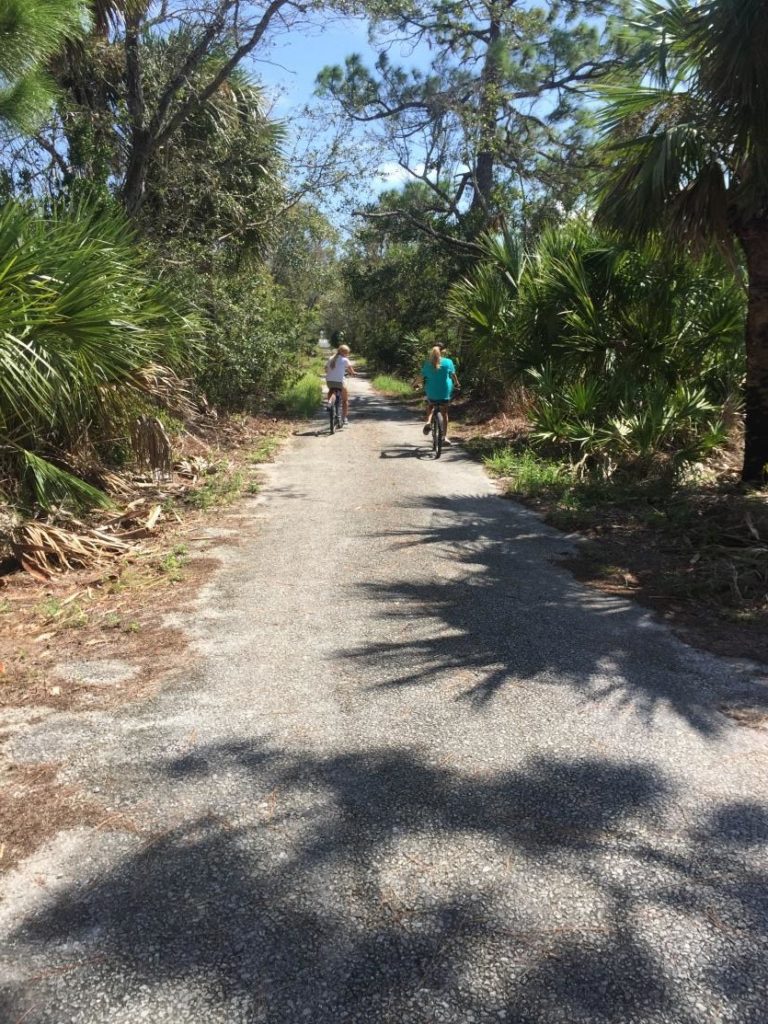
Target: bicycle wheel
[[437, 433]]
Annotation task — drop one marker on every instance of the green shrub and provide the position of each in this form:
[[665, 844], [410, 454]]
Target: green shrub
[[628, 355], [253, 338], [303, 397], [393, 386], [86, 335]]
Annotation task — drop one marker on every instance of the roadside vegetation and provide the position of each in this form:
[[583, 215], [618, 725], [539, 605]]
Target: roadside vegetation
[[396, 387], [158, 278], [597, 271], [303, 396], [603, 303]]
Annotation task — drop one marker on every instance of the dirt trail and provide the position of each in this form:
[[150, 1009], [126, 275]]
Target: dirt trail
[[414, 772]]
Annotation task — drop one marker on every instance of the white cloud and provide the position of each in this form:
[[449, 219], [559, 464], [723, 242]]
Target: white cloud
[[391, 175]]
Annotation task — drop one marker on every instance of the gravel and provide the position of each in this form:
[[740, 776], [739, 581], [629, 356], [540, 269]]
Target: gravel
[[412, 772]]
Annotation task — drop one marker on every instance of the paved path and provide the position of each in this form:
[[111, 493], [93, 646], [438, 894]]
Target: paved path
[[457, 787]]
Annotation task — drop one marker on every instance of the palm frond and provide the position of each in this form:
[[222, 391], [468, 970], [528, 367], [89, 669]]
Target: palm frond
[[51, 485], [668, 178], [83, 327]]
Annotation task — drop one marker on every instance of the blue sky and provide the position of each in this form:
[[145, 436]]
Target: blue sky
[[291, 65], [295, 59]]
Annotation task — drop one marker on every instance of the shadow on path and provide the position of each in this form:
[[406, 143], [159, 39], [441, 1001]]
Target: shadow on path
[[498, 612], [345, 900]]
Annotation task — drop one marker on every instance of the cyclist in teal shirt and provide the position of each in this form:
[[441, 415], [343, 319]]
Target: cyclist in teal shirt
[[439, 375]]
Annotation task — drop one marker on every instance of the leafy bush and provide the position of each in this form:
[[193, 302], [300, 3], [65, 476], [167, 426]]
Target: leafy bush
[[396, 293], [87, 334], [628, 354], [254, 331], [303, 397]]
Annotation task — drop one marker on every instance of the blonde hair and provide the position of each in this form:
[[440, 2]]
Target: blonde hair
[[435, 356], [342, 350]]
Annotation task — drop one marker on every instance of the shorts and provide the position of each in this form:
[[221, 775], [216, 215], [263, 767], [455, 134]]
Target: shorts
[[336, 385], [438, 401]]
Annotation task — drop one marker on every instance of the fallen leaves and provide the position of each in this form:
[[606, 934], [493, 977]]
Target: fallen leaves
[[42, 548]]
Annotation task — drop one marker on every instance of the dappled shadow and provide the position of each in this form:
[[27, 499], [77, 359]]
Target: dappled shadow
[[406, 451], [376, 407], [362, 408], [316, 431], [377, 887], [497, 612]]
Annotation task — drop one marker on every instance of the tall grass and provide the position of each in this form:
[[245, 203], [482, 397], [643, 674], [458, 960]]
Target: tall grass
[[303, 397], [527, 474], [393, 386]]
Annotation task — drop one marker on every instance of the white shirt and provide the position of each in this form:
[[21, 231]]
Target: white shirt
[[336, 374]]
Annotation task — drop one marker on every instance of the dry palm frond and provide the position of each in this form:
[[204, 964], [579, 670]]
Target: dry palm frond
[[169, 390], [115, 484], [194, 467], [41, 548], [152, 445]]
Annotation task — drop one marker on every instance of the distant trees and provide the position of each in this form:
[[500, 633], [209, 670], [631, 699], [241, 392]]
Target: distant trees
[[497, 122]]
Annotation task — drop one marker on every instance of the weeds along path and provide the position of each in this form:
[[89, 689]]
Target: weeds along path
[[413, 773]]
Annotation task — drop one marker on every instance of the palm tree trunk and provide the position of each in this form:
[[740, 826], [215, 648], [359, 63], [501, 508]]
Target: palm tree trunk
[[754, 239]]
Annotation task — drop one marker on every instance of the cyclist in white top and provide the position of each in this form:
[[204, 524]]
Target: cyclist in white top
[[336, 370]]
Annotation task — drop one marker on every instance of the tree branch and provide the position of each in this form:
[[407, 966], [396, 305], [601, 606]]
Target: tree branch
[[427, 229], [225, 70]]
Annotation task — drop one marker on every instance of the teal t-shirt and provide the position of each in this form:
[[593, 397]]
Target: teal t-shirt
[[438, 380]]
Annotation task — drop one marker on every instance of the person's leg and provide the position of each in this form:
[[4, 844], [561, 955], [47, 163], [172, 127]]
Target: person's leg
[[428, 424], [445, 425], [345, 401]]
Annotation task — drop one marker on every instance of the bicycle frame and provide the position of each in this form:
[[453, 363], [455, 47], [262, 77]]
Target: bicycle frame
[[335, 408], [438, 429]]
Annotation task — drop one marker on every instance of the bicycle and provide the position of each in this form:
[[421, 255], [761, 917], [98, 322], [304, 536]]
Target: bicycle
[[335, 408], [438, 432]]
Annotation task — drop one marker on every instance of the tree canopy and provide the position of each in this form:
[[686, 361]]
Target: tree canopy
[[497, 120]]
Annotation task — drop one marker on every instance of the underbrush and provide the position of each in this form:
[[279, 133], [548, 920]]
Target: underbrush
[[393, 386], [219, 489], [699, 550], [303, 397]]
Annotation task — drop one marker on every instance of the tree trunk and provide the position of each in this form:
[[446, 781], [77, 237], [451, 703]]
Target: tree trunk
[[138, 159], [136, 172], [754, 239], [483, 171]]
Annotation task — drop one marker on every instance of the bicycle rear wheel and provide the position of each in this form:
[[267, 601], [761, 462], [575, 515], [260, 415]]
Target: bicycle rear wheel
[[437, 433]]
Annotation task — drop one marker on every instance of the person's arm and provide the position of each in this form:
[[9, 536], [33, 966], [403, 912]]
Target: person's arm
[[351, 370], [456, 380]]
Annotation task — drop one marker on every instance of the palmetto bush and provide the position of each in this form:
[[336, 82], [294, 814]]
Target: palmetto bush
[[85, 337], [486, 305], [629, 353]]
